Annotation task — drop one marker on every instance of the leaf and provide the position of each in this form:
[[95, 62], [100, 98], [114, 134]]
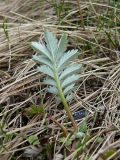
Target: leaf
[[70, 70], [33, 140], [69, 97], [40, 48], [83, 127], [68, 88], [43, 60], [54, 60], [46, 70], [58, 100], [50, 82], [51, 42], [66, 58], [69, 80], [62, 45], [53, 90]]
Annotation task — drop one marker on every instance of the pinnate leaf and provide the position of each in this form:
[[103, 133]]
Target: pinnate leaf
[[52, 42], [50, 81], [66, 58], [46, 70], [53, 60], [40, 48], [68, 88], [43, 60], [69, 80], [53, 90], [70, 70], [62, 45]]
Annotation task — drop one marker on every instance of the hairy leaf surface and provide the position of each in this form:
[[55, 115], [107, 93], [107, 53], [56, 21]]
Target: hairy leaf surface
[[69, 88], [43, 60], [55, 63], [69, 80], [51, 42], [40, 48], [53, 90], [46, 70], [62, 45], [70, 70], [65, 59], [49, 81]]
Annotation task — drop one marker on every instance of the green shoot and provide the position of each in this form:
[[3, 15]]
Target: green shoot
[[54, 62]]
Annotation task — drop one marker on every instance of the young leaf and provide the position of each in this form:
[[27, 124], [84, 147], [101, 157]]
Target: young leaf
[[40, 48], [68, 88], [69, 97], [53, 90], [70, 70], [46, 70], [66, 58], [69, 80], [62, 45], [54, 60], [54, 56], [43, 60], [51, 42], [49, 81], [33, 140]]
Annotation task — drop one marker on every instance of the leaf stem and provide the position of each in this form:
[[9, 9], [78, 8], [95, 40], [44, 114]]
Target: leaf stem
[[63, 99]]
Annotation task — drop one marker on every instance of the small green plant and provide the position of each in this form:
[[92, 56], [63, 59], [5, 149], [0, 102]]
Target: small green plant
[[54, 62], [33, 140], [33, 110]]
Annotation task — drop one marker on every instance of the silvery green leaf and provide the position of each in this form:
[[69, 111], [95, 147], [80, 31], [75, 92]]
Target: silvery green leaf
[[49, 81], [46, 70], [66, 58], [53, 55], [62, 45], [69, 80], [43, 60], [52, 42], [40, 48], [53, 90], [69, 97], [68, 88], [58, 100], [70, 70]]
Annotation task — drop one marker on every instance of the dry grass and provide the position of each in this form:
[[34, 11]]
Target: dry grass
[[96, 34]]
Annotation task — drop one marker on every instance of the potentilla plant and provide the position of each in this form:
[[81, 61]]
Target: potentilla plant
[[55, 62]]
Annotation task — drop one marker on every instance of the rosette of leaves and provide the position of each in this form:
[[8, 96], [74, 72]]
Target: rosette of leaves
[[55, 63]]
